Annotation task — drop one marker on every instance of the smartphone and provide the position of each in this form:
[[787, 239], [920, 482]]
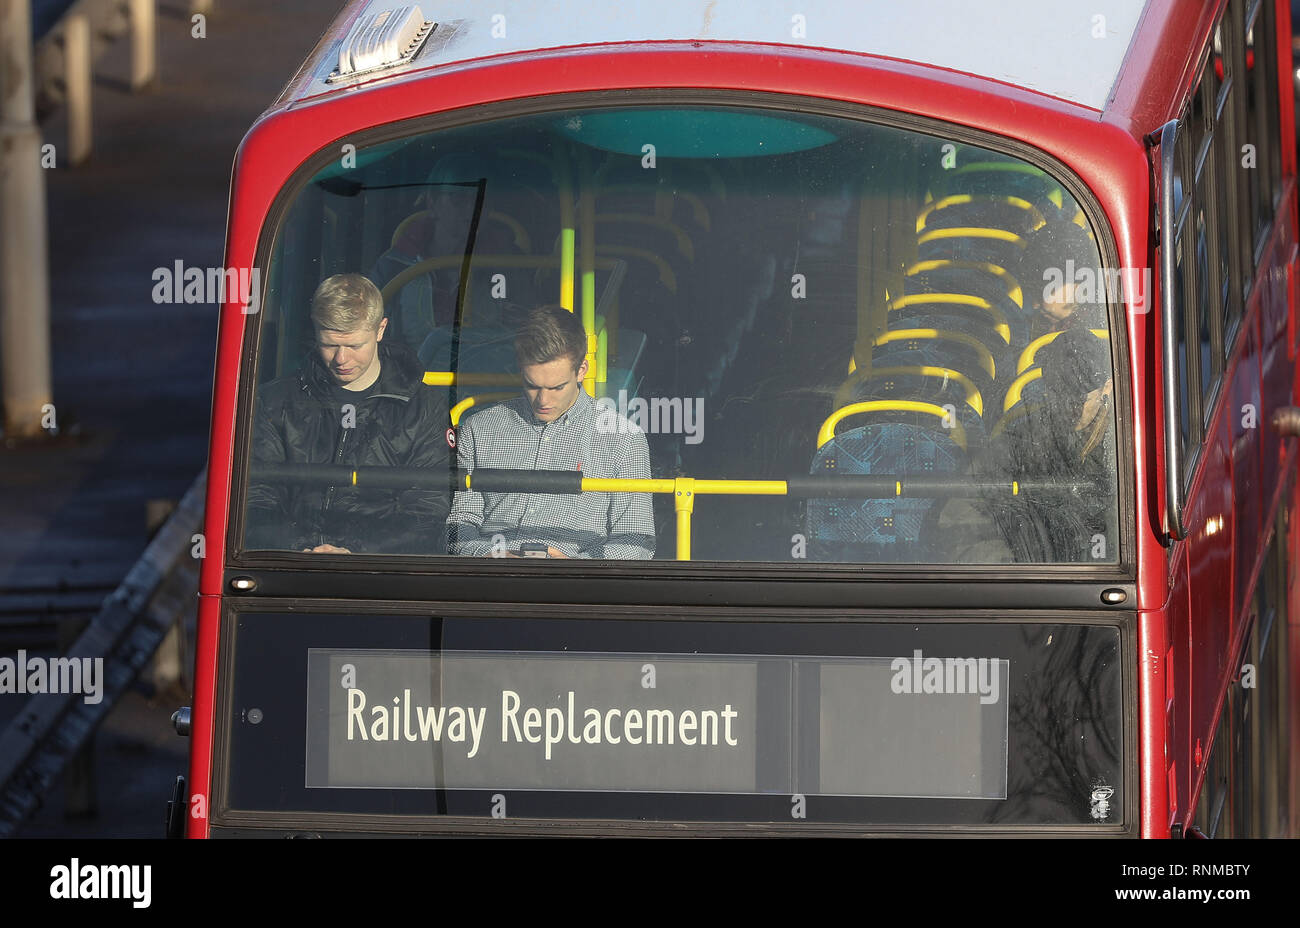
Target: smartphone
[[533, 549]]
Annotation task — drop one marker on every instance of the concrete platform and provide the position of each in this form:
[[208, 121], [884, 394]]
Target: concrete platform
[[133, 379]]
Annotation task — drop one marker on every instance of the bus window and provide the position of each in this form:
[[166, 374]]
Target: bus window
[[1217, 85], [866, 344], [1204, 307], [1262, 131], [1184, 380]]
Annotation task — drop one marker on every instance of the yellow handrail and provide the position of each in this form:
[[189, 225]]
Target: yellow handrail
[[405, 223], [1018, 385], [1026, 359], [974, 399], [1018, 412], [684, 244], [459, 409], [684, 505], [1000, 324], [467, 379], [516, 227], [663, 200], [1011, 166], [587, 217], [560, 174], [602, 354], [517, 230], [971, 232], [666, 275], [686, 489], [495, 261], [961, 199], [980, 349], [1013, 286], [827, 431], [477, 260]]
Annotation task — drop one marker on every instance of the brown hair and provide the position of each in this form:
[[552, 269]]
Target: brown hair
[[346, 303], [548, 333]]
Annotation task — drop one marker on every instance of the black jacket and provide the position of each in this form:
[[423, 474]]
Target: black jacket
[[398, 423]]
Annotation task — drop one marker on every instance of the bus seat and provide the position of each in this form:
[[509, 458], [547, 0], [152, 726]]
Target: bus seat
[[519, 235], [489, 353], [1026, 359], [667, 276], [880, 530], [933, 347], [684, 246], [1005, 178], [665, 201], [972, 243], [1015, 214], [937, 385], [953, 305], [481, 349]]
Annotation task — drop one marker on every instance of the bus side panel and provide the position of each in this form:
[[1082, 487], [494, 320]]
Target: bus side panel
[[1153, 558], [252, 190], [1153, 783], [1243, 415], [1278, 368], [1181, 770], [202, 714], [1290, 567], [1286, 88], [1209, 556]]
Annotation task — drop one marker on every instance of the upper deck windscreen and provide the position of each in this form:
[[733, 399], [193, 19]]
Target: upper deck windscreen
[[881, 346]]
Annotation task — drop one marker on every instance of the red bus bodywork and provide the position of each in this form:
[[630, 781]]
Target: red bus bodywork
[[1193, 613]]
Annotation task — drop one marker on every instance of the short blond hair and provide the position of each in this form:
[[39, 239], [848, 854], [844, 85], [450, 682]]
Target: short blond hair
[[346, 303]]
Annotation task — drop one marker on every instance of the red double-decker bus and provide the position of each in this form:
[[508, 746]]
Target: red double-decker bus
[[909, 393]]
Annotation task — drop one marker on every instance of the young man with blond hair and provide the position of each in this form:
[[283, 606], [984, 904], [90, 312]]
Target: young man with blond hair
[[357, 401]]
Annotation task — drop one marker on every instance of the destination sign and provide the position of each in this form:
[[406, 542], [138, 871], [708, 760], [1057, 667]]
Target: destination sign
[[863, 726]]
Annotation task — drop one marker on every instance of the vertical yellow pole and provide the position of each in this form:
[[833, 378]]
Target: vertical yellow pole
[[566, 256], [611, 326], [587, 267], [684, 503], [602, 355], [564, 180]]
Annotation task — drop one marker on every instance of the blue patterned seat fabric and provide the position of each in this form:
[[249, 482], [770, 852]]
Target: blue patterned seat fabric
[[878, 530]]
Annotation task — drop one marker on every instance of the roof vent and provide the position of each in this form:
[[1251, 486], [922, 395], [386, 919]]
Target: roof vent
[[382, 40]]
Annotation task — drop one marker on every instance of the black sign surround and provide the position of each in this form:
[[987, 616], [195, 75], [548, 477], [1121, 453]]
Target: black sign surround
[[1061, 690]]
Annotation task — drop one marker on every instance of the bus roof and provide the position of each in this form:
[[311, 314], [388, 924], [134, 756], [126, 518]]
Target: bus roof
[[1077, 50]]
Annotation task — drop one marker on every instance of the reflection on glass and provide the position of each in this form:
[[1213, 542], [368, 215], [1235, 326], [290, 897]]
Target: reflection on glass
[[880, 346]]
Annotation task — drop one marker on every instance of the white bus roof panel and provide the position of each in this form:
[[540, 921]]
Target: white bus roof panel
[[1063, 48]]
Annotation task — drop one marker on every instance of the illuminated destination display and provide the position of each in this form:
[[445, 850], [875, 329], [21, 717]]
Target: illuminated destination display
[[861, 726]]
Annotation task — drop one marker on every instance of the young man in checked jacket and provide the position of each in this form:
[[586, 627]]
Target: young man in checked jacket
[[552, 426]]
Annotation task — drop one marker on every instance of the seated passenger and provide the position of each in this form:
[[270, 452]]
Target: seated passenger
[[442, 229], [357, 401], [553, 426], [1061, 279], [1062, 439]]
